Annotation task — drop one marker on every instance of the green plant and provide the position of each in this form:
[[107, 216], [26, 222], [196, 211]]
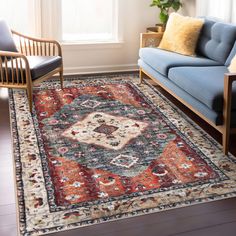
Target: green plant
[[165, 6]]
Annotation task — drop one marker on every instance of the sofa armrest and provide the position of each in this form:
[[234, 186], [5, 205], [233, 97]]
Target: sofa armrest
[[150, 39], [229, 78]]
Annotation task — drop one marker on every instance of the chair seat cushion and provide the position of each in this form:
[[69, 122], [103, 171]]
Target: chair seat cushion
[[41, 65], [206, 84], [161, 60]]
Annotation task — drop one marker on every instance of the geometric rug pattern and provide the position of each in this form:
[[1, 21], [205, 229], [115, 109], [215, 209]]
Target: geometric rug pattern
[[107, 148]]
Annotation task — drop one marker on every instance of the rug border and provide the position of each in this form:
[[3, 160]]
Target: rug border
[[124, 215], [13, 124]]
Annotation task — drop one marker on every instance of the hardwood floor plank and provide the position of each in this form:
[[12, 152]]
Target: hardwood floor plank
[[8, 220], [5, 161], [7, 209], [164, 224], [8, 230], [8, 197], [228, 229], [8, 177]]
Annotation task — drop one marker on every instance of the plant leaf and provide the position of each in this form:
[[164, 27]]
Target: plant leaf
[[163, 17]]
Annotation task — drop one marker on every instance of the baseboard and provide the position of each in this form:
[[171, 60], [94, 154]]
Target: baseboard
[[100, 69]]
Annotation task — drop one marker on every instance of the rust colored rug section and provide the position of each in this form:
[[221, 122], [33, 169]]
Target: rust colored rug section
[[107, 148]]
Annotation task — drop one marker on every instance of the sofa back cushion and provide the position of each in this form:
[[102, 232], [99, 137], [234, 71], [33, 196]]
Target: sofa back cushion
[[216, 40]]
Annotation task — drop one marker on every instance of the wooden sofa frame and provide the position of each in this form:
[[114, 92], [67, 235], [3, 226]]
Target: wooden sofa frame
[[14, 66], [153, 39]]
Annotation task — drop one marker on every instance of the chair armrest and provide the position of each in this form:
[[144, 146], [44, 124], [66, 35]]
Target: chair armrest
[[10, 54], [150, 39], [14, 69], [36, 46]]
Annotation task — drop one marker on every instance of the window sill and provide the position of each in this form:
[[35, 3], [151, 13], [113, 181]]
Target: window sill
[[91, 45]]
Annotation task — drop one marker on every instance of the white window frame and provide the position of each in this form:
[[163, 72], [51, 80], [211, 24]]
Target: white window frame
[[46, 22], [224, 10], [52, 25], [33, 16], [115, 30]]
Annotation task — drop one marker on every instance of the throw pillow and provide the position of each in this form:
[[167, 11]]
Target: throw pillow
[[181, 34], [232, 66]]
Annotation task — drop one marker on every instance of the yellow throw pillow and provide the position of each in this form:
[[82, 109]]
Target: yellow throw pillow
[[232, 66], [181, 34]]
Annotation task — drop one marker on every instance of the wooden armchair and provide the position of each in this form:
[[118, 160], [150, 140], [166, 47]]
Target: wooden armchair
[[25, 61]]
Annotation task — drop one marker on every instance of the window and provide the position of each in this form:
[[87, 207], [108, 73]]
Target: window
[[21, 15], [224, 10], [65, 20], [11, 11], [93, 20]]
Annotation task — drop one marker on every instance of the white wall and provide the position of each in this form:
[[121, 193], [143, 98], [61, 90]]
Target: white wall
[[135, 16], [189, 7]]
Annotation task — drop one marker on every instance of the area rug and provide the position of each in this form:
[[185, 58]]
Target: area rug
[[107, 148]]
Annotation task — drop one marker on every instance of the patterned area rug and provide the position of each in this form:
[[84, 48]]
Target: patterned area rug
[[106, 148]]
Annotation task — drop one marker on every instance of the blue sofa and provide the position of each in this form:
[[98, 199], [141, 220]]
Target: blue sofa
[[203, 83]]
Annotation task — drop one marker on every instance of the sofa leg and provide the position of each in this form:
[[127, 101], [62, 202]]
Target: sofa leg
[[140, 76]]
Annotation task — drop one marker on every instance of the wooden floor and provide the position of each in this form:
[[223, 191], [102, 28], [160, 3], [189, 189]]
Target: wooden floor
[[208, 219]]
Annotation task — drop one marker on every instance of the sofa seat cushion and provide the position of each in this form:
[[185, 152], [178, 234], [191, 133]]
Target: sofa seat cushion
[[41, 65], [162, 60], [206, 84]]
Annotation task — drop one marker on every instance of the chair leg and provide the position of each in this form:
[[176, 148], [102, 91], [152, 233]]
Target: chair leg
[[140, 76], [61, 77], [30, 97]]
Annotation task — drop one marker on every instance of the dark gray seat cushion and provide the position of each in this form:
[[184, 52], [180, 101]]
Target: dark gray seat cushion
[[162, 60], [216, 40], [6, 41], [206, 84], [41, 65]]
